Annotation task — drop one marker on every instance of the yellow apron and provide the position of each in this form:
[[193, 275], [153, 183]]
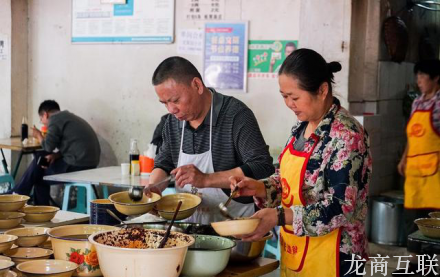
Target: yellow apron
[[422, 177], [303, 256]]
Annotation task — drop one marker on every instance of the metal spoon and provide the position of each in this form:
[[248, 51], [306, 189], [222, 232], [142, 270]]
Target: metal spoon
[[136, 192], [223, 207], [167, 234], [116, 217]]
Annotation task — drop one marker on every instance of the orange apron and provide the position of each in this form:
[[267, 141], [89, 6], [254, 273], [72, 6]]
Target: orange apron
[[303, 256], [422, 177]]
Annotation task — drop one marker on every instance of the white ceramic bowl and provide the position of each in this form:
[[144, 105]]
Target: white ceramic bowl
[[118, 262], [70, 243], [208, 256]]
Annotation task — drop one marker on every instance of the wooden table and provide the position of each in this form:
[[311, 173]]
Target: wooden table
[[106, 176], [15, 144], [61, 218], [257, 267]]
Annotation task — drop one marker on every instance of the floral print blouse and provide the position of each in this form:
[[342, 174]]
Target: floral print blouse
[[336, 182]]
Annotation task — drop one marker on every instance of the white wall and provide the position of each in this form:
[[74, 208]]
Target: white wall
[[109, 85], [5, 74]]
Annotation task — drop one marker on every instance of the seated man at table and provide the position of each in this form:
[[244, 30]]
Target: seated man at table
[[207, 137], [69, 145]]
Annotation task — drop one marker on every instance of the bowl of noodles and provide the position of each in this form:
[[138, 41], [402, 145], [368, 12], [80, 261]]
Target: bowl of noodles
[[137, 254]]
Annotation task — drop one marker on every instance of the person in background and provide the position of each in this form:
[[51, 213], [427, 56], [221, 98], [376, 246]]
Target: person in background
[[157, 134], [207, 138], [420, 160], [322, 183], [288, 49], [69, 145]]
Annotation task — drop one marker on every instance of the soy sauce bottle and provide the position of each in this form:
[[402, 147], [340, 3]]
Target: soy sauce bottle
[[24, 129], [134, 152]]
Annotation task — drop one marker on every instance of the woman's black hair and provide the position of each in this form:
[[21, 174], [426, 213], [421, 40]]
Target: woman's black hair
[[430, 67], [310, 68]]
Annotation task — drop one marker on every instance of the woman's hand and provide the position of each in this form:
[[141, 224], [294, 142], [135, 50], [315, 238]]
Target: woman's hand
[[269, 219], [248, 186]]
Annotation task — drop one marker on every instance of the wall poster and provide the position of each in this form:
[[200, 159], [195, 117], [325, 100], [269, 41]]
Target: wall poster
[[136, 21], [225, 56]]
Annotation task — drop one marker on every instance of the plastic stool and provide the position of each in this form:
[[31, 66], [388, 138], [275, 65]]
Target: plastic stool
[[168, 191], [85, 194], [273, 246], [7, 178]]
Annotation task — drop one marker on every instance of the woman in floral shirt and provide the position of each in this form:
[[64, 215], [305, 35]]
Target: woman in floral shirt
[[322, 184]]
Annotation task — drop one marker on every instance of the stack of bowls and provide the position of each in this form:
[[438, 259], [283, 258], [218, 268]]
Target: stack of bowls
[[6, 242], [25, 254], [29, 236], [125, 205], [38, 214], [12, 202], [5, 265]]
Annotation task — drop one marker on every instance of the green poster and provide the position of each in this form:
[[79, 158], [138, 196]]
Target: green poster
[[266, 56]]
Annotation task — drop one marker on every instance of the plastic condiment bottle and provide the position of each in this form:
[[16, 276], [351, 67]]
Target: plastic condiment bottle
[[134, 152]]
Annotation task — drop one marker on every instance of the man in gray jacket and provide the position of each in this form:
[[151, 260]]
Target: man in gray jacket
[[69, 145]]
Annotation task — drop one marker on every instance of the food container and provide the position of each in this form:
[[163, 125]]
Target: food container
[[24, 254], [6, 242], [127, 206], [430, 227], [39, 214], [141, 262], [29, 236], [208, 256], [10, 220], [71, 243], [236, 227], [12, 202], [245, 251], [99, 214], [390, 210], [47, 268], [168, 204]]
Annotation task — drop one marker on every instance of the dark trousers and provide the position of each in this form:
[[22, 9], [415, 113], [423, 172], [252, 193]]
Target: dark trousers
[[33, 178]]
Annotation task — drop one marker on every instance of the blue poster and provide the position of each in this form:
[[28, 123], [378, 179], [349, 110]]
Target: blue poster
[[225, 58]]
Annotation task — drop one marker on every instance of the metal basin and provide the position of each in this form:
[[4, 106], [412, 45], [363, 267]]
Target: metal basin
[[246, 251]]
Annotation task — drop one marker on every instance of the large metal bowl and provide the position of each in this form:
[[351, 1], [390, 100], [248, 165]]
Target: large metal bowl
[[246, 251]]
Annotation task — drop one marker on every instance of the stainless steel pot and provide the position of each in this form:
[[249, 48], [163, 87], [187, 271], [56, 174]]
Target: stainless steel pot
[[387, 221]]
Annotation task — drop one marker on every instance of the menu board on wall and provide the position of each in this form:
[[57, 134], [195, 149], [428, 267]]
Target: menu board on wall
[[137, 21], [225, 56], [204, 9]]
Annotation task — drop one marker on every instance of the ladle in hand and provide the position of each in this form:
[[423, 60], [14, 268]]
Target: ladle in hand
[[167, 234], [223, 207], [136, 192]]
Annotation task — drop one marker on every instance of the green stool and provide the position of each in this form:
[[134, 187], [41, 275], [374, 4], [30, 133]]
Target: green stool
[[7, 178], [85, 194]]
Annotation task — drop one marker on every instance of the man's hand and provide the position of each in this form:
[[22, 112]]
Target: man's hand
[[190, 174], [149, 190], [37, 134], [402, 166]]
